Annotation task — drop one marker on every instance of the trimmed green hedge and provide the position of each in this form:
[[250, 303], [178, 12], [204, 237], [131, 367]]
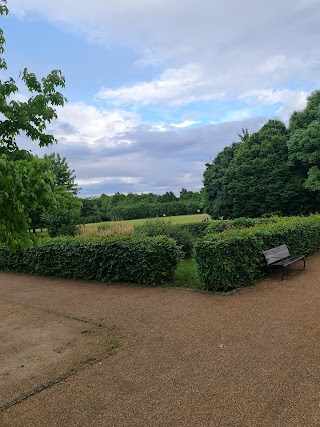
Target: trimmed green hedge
[[146, 260], [158, 227], [218, 226], [196, 229], [234, 258]]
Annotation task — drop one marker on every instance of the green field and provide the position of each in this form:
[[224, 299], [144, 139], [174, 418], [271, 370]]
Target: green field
[[182, 219]]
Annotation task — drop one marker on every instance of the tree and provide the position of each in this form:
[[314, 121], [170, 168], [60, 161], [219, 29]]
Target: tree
[[23, 179], [216, 201], [63, 175], [304, 142], [260, 181], [253, 178], [62, 181], [169, 196], [63, 215], [25, 184]]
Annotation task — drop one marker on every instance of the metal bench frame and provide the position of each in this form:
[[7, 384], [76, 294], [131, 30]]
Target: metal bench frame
[[280, 257]]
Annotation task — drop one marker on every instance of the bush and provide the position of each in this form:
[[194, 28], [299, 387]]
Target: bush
[[158, 227], [126, 259], [233, 259], [239, 223], [196, 229]]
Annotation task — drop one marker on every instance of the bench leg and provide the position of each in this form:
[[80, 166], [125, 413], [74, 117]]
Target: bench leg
[[282, 272], [304, 263]]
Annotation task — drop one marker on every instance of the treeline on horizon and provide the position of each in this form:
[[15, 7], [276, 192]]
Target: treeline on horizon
[[134, 206]]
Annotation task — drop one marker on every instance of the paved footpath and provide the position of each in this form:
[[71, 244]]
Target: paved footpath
[[84, 354]]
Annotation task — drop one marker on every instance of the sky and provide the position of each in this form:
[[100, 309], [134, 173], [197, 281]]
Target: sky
[[157, 88]]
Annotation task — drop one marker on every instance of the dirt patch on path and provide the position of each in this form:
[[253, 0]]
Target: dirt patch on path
[[186, 359]]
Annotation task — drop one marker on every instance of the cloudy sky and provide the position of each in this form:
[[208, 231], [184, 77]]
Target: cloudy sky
[[156, 88]]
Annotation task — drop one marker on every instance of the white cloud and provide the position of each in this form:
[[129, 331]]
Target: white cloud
[[185, 124], [92, 125], [175, 87], [291, 100], [239, 45], [110, 179]]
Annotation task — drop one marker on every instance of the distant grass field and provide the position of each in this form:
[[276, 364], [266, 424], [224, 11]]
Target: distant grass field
[[182, 219]]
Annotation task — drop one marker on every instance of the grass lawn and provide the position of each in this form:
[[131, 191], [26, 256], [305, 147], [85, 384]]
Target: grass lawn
[[182, 219], [186, 275]]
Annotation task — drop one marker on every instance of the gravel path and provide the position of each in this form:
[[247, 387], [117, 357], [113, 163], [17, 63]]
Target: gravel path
[[133, 356]]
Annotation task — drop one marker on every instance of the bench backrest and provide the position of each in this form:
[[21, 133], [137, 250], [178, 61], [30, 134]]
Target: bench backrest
[[276, 254]]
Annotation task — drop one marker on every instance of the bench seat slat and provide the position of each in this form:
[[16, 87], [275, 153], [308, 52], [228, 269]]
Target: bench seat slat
[[288, 260]]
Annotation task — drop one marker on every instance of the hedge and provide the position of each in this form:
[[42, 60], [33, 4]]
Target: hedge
[[232, 259], [218, 226], [158, 227], [196, 229], [146, 260]]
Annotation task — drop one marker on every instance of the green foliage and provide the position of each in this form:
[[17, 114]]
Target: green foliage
[[24, 181], [217, 201], [63, 203], [63, 175], [257, 176], [304, 143], [196, 229], [186, 275], [24, 185], [63, 216], [233, 259], [157, 227], [259, 179], [238, 224], [62, 222], [139, 260]]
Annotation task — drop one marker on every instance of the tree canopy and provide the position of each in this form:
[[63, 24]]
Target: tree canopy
[[304, 142], [25, 179], [273, 171]]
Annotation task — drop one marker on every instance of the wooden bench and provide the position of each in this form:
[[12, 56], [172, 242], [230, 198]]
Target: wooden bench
[[280, 257]]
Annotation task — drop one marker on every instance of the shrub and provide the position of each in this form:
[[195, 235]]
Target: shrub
[[196, 229], [157, 227], [234, 258], [239, 223], [125, 259], [61, 223]]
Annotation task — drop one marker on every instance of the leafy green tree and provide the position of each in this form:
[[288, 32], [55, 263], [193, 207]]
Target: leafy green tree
[[25, 184], [253, 178], [62, 182], [63, 175], [260, 181], [169, 196], [63, 216], [304, 143], [217, 202], [23, 181]]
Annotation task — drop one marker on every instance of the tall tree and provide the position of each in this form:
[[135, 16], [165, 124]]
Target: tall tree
[[61, 183], [30, 117], [217, 202], [259, 179], [304, 142], [253, 178], [63, 175]]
